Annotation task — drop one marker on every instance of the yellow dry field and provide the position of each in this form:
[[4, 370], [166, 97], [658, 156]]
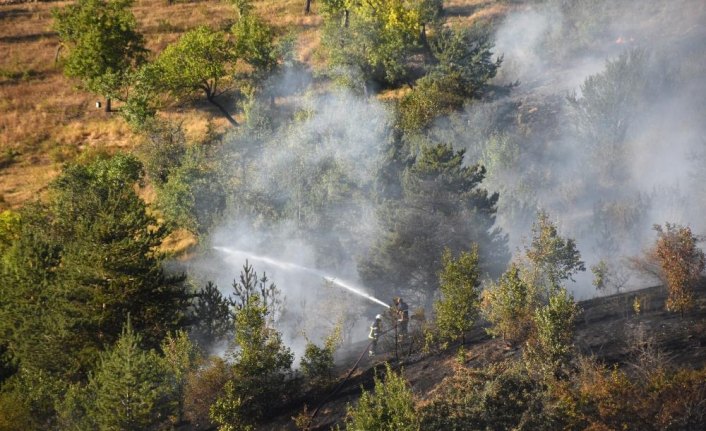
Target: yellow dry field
[[46, 119]]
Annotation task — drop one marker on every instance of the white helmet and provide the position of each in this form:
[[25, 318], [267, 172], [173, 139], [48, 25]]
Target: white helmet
[[378, 317]]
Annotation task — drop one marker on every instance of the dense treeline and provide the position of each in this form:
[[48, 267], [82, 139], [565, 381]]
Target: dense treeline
[[97, 331]]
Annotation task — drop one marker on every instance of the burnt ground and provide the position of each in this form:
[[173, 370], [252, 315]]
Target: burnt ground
[[609, 329]]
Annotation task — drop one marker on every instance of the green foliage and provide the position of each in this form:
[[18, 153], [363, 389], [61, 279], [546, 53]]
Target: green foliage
[[104, 45], [198, 61], [261, 362], [28, 398], [127, 391], [375, 38], [457, 310], [243, 7], [554, 259], [254, 44], [465, 53], [212, 316], [433, 96], [604, 112], [551, 346], [180, 357], [390, 407], [163, 150], [495, 398], [317, 363], [141, 104], [442, 206], [81, 262], [193, 196], [509, 306]]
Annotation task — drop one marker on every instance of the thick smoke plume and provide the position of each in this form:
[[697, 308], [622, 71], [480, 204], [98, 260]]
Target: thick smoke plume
[[603, 129]]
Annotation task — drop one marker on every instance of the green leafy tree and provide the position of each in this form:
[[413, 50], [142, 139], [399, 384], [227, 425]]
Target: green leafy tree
[[201, 60], [551, 345], [442, 206], [317, 363], [509, 306], [193, 196], [254, 44], [554, 259], [457, 310], [390, 407], [376, 38], [126, 392], [104, 45], [180, 357], [608, 104]]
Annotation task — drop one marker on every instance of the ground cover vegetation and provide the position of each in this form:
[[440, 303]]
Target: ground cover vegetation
[[101, 329]]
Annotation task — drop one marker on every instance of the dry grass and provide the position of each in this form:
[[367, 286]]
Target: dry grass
[[46, 120]]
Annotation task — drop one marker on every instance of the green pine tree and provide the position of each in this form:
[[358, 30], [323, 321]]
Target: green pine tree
[[457, 310]]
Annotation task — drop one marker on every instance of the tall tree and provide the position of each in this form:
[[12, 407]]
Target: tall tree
[[82, 262], [127, 392], [442, 206], [104, 45]]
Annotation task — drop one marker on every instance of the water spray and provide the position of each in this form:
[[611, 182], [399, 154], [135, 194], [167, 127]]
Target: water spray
[[295, 267]]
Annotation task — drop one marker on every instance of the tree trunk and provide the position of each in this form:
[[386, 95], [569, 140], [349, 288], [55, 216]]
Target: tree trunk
[[307, 8], [230, 119], [346, 20], [107, 105]]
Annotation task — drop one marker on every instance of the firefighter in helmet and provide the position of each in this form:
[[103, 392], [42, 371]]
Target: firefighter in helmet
[[402, 313], [375, 330]]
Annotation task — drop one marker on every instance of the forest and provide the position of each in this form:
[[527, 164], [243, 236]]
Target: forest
[[205, 205]]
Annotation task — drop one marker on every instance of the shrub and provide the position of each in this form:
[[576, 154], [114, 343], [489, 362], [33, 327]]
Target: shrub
[[509, 305], [317, 363], [390, 407], [681, 263], [550, 347]]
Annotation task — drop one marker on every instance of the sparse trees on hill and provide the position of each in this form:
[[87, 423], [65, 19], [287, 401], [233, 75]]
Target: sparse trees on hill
[[104, 44]]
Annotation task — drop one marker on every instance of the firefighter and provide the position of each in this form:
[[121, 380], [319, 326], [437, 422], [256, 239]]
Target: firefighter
[[375, 330], [402, 311]]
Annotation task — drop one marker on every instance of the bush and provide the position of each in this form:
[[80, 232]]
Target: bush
[[390, 407], [203, 387], [681, 263], [508, 305], [500, 397], [317, 363], [551, 345]]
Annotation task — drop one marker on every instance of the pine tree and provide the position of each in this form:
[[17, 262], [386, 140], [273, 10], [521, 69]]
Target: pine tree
[[128, 390], [442, 206], [457, 310]]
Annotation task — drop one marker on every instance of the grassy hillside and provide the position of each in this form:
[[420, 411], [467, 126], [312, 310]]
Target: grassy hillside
[[46, 119]]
